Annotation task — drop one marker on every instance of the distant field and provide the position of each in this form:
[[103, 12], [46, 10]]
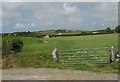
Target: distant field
[[36, 45], [37, 51]]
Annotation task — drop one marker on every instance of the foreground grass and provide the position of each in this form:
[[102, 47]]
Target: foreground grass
[[37, 51]]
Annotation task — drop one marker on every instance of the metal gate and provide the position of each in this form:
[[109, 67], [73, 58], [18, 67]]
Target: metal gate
[[88, 56]]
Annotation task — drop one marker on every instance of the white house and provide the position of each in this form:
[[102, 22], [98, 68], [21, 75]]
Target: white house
[[95, 32], [59, 33]]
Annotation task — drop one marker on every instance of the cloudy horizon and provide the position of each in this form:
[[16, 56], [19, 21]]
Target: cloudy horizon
[[37, 16]]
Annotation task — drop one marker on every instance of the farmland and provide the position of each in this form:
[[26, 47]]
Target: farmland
[[36, 52]]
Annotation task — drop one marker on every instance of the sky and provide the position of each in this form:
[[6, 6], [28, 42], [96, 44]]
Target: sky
[[19, 16]]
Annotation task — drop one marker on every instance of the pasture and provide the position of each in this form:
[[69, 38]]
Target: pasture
[[36, 52], [36, 45]]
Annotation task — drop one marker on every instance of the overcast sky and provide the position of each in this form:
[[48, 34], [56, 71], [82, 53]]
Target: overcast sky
[[35, 16]]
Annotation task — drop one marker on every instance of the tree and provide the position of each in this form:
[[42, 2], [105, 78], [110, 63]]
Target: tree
[[117, 29], [108, 30], [60, 31], [28, 32]]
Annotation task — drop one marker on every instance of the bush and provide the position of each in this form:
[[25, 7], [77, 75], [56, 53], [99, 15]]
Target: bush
[[11, 45], [17, 45]]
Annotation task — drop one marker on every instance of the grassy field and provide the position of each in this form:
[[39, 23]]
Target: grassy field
[[36, 45], [37, 51]]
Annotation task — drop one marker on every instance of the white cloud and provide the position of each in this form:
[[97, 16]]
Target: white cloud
[[70, 9], [60, 15], [19, 26], [22, 25]]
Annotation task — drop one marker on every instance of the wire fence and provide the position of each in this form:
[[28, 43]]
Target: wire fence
[[88, 56]]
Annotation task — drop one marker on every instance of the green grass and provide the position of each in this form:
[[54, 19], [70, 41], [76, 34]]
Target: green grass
[[32, 45], [37, 51]]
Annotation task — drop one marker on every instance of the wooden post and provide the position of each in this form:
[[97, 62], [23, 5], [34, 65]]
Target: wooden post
[[110, 59]]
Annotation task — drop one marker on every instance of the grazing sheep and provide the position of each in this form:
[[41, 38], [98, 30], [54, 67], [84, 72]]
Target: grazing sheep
[[55, 55], [47, 36], [115, 55]]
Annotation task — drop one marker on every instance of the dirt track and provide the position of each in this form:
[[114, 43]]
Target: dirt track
[[54, 74]]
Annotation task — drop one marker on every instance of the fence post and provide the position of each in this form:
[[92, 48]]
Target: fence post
[[110, 58]]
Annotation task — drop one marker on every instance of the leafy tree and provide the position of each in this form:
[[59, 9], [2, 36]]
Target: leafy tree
[[117, 29], [28, 32], [60, 30], [108, 30]]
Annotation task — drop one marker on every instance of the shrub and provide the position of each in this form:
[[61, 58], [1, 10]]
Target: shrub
[[11, 46], [17, 45]]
